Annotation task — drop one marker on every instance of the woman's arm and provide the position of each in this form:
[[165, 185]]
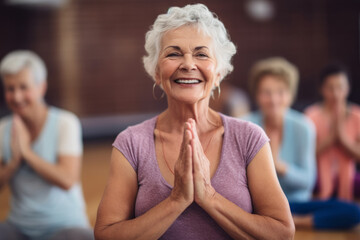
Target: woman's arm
[[271, 218], [115, 218], [327, 142], [351, 147], [64, 173], [301, 171], [7, 171]]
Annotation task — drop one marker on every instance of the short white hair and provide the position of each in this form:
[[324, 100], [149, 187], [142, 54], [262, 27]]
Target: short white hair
[[17, 60], [199, 16]]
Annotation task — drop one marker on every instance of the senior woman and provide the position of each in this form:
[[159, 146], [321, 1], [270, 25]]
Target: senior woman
[[40, 157], [273, 83], [190, 172]]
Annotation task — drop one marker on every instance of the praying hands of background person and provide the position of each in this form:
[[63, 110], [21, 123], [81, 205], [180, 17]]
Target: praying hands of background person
[[21, 139], [338, 134]]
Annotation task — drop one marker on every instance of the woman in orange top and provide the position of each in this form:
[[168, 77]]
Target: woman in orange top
[[338, 135]]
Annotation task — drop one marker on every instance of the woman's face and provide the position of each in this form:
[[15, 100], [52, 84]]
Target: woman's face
[[273, 96], [186, 65], [22, 94], [335, 88]]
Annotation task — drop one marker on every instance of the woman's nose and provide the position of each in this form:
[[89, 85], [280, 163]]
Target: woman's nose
[[17, 95], [188, 63]]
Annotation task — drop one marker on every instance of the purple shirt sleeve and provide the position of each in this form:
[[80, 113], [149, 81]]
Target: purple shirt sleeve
[[256, 139], [124, 143]]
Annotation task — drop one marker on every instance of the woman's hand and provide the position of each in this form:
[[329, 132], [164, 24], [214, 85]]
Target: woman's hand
[[183, 190], [22, 136], [339, 119], [203, 190]]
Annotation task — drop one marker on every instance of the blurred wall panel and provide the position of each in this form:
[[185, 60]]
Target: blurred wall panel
[[93, 48]]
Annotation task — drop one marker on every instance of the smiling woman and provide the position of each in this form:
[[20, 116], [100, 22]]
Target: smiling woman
[[195, 59], [190, 172]]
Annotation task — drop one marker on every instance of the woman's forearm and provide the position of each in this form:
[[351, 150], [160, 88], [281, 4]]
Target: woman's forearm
[[240, 224], [323, 145], [7, 171], [352, 148], [53, 173], [151, 225]]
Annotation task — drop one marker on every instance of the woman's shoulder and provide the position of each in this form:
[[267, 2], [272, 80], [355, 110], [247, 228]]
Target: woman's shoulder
[[64, 120], [4, 121], [355, 109], [138, 131], [244, 126], [299, 121], [314, 109], [299, 118], [62, 114]]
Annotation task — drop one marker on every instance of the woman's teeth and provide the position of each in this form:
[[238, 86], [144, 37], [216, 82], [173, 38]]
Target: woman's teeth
[[187, 81]]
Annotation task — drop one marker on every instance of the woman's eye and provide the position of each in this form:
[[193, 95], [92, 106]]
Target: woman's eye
[[173, 54], [202, 55], [9, 89]]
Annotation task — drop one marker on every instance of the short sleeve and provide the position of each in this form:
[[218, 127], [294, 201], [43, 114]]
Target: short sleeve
[[125, 144], [70, 136], [256, 139]]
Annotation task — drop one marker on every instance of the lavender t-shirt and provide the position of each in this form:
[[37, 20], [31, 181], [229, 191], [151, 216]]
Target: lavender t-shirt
[[241, 142]]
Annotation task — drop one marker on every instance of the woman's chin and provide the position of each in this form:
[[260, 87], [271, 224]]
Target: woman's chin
[[22, 112], [188, 100]]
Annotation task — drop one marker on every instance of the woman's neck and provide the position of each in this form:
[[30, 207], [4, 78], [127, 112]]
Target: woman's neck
[[273, 122], [339, 106], [35, 121], [178, 113]]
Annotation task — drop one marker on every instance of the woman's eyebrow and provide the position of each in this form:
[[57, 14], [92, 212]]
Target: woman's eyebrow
[[178, 48], [200, 47], [175, 47]]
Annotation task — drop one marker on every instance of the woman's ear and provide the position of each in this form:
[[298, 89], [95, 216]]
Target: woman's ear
[[217, 80], [43, 88], [157, 76]]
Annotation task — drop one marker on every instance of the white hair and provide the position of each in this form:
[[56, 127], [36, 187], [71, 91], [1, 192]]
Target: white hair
[[16, 61], [200, 16]]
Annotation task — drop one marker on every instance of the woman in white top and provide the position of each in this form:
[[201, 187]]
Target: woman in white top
[[40, 157]]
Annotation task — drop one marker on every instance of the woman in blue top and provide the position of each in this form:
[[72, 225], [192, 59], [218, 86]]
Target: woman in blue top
[[40, 157], [273, 83]]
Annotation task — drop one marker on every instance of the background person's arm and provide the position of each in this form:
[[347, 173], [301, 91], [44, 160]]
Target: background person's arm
[[65, 172], [301, 170], [8, 170]]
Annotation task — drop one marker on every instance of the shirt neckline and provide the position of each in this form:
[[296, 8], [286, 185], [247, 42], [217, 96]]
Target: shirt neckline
[[153, 152]]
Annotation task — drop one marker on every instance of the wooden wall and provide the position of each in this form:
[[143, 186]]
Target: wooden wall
[[93, 48]]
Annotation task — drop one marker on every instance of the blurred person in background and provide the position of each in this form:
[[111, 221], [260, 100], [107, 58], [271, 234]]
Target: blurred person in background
[[337, 123], [273, 83], [190, 172], [233, 101], [40, 157]]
